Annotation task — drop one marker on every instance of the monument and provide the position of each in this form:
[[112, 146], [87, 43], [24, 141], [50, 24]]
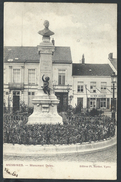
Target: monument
[[45, 102]]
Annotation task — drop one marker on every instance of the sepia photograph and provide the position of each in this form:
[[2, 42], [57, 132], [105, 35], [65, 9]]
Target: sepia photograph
[[60, 91]]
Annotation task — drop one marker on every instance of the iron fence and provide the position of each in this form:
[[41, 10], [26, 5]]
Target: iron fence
[[12, 117], [23, 116], [25, 111]]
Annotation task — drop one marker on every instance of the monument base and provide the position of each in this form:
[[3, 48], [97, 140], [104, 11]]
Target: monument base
[[37, 118], [45, 110]]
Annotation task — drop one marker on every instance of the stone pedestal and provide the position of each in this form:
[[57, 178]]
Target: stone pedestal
[[45, 110], [45, 105]]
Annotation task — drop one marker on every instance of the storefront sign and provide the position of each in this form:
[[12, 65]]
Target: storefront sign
[[97, 96]]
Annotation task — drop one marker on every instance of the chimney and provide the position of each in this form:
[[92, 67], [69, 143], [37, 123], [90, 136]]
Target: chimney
[[53, 41], [83, 59], [110, 56]]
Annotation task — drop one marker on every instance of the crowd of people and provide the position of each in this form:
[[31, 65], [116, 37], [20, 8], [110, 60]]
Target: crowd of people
[[75, 129]]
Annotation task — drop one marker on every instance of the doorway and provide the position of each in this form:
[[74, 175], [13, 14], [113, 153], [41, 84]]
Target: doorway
[[92, 103], [16, 100], [80, 101], [63, 101]]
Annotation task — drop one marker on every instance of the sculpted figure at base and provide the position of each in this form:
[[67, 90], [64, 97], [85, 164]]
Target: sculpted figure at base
[[45, 87]]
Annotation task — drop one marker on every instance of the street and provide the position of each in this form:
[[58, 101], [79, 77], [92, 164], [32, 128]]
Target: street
[[108, 155]]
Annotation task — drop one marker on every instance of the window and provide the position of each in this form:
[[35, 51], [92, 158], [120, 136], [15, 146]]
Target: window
[[16, 93], [103, 86], [61, 79], [16, 75], [103, 102], [93, 87], [31, 76], [30, 97], [30, 93], [80, 87]]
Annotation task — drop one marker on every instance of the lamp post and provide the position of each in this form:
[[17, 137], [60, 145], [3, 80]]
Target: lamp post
[[71, 97], [113, 79]]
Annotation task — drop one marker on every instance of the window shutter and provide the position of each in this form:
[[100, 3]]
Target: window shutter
[[107, 103], [63, 81], [59, 79], [88, 105]]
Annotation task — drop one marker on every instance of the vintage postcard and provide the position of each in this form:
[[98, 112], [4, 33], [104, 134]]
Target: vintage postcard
[[60, 91]]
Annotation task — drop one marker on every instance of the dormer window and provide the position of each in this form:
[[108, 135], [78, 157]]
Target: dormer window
[[10, 60]]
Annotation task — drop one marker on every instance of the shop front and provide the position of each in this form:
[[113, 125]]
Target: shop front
[[16, 89], [98, 102]]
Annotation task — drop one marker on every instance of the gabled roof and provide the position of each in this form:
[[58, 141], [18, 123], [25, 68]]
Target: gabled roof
[[91, 70], [30, 54]]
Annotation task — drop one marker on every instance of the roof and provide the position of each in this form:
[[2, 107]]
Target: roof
[[30, 54], [62, 55], [91, 70], [114, 63]]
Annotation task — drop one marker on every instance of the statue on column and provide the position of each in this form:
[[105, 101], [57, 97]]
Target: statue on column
[[45, 87]]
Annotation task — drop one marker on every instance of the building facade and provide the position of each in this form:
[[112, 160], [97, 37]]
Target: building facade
[[88, 84], [92, 92], [21, 76], [92, 86]]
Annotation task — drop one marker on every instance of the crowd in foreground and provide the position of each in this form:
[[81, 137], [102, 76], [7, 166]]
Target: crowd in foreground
[[75, 129]]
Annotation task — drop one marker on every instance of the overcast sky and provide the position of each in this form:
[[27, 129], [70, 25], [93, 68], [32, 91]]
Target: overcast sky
[[89, 29]]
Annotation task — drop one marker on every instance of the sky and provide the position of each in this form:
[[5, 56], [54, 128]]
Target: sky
[[87, 28]]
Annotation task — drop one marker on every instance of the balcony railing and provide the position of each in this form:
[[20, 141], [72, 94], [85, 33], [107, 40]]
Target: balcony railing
[[62, 87], [16, 86]]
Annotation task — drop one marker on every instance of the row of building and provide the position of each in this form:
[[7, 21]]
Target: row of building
[[73, 83]]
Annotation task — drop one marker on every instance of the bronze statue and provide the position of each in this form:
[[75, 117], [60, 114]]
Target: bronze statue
[[46, 32], [45, 87]]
